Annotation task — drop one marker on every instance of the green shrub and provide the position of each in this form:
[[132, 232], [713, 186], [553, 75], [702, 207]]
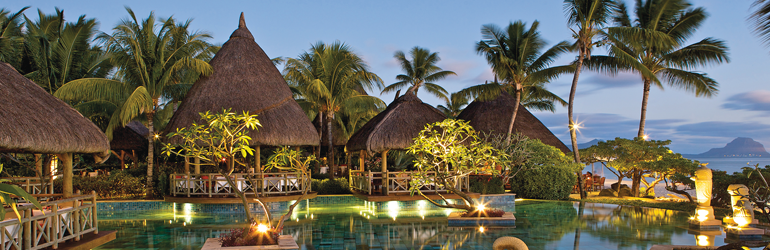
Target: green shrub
[[486, 184], [320, 176], [115, 186], [329, 186], [550, 174]]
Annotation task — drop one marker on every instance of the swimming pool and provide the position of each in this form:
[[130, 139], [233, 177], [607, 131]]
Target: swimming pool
[[416, 225]]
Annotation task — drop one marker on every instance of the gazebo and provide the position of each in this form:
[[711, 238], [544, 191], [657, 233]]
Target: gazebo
[[394, 128], [494, 117], [131, 138], [244, 79]]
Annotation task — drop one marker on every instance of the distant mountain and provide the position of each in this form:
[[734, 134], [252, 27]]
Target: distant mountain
[[589, 144], [739, 147]]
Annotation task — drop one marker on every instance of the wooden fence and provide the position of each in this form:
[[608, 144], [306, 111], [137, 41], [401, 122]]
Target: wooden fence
[[284, 183], [396, 182]]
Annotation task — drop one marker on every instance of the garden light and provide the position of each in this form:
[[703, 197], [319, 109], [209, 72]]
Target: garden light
[[262, 228], [481, 207], [481, 229]]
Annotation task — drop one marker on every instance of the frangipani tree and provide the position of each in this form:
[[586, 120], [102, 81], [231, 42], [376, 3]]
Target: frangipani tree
[[291, 160], [447, 151]]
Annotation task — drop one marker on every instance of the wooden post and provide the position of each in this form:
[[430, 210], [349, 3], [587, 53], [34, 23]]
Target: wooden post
[[66, 160], [76, 218], [93, 212], [56, 225], [38, 165], [197, 165], [27, 233], [187, 165], [258, 158], [385, 184]]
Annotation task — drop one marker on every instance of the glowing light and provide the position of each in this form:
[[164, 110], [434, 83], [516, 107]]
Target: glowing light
[[703, 240], [157, 136], [645, 137], [741, 221], [224, 159], [262, 228], [702, 214], [481, 229], [519, 199], [393, 208], [481, 207]]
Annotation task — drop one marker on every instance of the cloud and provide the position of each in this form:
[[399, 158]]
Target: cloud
[[758, 100], [459, 67]]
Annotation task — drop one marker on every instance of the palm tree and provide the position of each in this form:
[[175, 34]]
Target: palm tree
[[516, 58], [11, 37], [760, 19], [151, 63], [421, 71], [454, 105], [588, 17], [330, 79], [653, 45]]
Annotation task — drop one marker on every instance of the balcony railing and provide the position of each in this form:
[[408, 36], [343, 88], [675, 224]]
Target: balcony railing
[[397, 182], [285, 183], [59, 221], [32, 184]]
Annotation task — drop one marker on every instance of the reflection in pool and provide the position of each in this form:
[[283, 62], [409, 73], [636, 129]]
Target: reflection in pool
[[360, 225]]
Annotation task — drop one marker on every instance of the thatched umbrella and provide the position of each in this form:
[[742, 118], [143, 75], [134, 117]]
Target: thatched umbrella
[[394, 128], [245, 79], [131, 138], [495, 116], [33, 121]]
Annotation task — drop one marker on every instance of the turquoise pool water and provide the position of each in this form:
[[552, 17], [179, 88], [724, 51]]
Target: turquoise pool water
[[359, 225]]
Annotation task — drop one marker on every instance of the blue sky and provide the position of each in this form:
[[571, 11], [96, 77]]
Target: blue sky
[[609, 107]]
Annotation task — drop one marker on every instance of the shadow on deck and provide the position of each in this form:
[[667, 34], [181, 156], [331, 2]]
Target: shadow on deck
[[88, 241]]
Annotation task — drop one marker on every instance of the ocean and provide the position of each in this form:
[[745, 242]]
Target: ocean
[[733, 164]]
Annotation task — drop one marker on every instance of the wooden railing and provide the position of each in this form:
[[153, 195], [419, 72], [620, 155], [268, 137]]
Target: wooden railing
[[285, 183], [397, 182], [32, 184], [59, 221]]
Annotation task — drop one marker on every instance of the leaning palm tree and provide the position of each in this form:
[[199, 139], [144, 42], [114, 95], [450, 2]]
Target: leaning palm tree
[[152, 57], [329, 79], [760, 19], [11, 38], [653, 45], [420, 72], [454, 105], [517, 58], [588, 17]]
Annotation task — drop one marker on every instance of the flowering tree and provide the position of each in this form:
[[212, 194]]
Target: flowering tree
[[445, 152]]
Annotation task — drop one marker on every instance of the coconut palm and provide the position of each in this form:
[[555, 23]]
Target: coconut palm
[[152, 56], [330, 79], [588, 17], [653, 45], [760, 19], [11, 40], [454, 105], [421, 71], [517, 58]]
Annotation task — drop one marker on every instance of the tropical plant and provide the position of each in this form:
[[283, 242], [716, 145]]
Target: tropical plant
[[588, 18], [293, 160], [421, 71], [331, 79], [6, 190], [446, 152], [653, 45], [11, 37], [548, 173], [151, 62], [517, 58], [760, 19], [454, 105]]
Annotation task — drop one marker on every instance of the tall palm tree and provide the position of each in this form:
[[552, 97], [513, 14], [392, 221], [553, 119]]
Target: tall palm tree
[[588, 17], [330, 79], [152, 57], [60, 51], [11, 37], [760, 19], [517, 58], [454, 105], [653, 45], [420, 71]]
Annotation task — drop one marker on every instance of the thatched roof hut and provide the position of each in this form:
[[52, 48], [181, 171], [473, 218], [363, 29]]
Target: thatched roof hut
[[33, 121], [245, 79], [495, 116], [131, 137], [396, 127]]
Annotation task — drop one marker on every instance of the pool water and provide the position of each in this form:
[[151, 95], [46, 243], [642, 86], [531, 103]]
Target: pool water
[[541, 224]]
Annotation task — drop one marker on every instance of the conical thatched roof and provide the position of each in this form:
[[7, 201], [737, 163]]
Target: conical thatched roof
[[337, 137], [396, 127], [33, 121], [245, 79], [495, 116], [131, 137]]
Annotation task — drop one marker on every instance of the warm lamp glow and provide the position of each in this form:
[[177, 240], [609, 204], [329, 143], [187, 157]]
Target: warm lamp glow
[[741, 221], [481, 229], [703, 240], [481, 207], [262, 228], [157, 136], [702, 214], [645, 137]]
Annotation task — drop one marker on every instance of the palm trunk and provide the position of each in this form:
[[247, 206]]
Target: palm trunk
[[572, 129], [581, 208], [320, 140], [330, 144], [150, 148], [515, 112], [645, 98]]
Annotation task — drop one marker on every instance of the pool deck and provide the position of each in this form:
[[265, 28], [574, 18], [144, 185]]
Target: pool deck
[[234, 200], [89, 241], [407, 197]]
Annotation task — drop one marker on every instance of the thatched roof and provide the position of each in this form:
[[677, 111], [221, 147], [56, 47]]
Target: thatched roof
[[495, 116], [131, 137], [245, 79], [337, 137], [33, 121], [396, 127]]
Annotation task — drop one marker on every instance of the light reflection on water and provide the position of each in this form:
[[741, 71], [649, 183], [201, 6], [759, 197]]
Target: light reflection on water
[[541, 224]]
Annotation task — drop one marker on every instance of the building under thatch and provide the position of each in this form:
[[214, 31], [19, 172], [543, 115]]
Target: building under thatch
[[245, 79], [396, 127], [33, 121], [130, 140], [495, 117]]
